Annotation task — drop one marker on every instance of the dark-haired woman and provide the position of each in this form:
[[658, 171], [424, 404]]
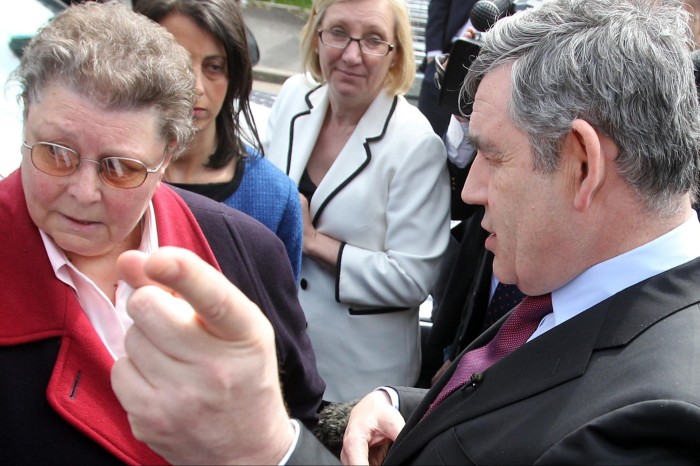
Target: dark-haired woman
[[219, 163]]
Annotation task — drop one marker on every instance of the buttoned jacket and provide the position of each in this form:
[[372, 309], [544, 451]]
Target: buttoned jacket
[[617, 384], [386, 198], [56, 399]]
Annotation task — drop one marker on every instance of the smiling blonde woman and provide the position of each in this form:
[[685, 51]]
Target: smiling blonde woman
[[375, 193]]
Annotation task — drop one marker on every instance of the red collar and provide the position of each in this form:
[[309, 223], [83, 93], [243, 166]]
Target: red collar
[[79, 389]]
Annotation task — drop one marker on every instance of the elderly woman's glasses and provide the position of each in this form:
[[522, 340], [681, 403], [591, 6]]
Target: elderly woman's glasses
[[119, 172], [339, 39]]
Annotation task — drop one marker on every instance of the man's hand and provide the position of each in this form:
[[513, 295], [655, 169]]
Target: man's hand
[[200, 381], [373, 426]]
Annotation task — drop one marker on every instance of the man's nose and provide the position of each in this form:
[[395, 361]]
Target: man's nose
[[476, 187]]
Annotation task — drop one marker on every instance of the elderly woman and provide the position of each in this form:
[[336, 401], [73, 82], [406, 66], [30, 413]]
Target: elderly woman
[[218, 163], [375, 193], [108, 100]]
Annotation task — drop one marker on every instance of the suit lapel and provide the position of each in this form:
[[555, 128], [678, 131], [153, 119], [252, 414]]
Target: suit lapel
[[81, 392], [508, 381], [555, 357], [353, 158], [304, 128]]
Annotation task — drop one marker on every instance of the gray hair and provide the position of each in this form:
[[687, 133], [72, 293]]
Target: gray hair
[[624, 66], [117, 58]]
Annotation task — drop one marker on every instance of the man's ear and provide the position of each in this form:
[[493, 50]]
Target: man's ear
[[586, 150]]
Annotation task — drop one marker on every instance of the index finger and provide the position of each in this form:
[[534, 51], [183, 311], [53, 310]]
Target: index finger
[[131, 269], [223, 309]]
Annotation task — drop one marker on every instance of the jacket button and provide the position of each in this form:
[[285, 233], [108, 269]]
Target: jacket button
[[303, 283]]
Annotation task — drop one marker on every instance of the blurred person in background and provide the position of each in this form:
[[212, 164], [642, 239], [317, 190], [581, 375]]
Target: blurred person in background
[[219, 163], [693, 7], [447, 20], [375, 194]]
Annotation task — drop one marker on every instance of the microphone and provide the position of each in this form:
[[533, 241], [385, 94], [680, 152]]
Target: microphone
[[485, 13]]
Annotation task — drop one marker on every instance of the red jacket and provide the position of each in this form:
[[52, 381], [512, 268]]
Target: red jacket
[[40, 316]]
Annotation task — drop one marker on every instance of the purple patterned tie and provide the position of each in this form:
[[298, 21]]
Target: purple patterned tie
[[514, 332]]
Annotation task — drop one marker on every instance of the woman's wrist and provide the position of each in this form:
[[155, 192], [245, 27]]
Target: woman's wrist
[[321, 248]]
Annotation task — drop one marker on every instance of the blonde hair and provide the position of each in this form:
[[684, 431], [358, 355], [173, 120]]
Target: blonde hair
[[400, 76]]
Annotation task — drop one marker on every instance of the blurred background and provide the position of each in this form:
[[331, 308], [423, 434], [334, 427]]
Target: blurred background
[[275, 26]]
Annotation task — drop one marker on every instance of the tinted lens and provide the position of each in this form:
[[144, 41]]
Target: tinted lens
[[123, 173], [53, 159]]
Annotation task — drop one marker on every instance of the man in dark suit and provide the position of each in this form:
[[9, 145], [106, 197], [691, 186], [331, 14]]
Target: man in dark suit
[[587, 126], [447, 20]]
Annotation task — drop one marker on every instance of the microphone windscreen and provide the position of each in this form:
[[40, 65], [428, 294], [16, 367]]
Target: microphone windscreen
[[485, 13]]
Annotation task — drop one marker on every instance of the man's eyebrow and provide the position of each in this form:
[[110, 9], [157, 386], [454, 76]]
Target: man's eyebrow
[[479, 143]]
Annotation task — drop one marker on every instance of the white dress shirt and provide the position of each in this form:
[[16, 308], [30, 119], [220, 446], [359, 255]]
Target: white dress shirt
[[110, 321], [603, 280]]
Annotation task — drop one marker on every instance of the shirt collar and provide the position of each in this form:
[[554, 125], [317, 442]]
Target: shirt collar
[[607, 278], [59, 260]]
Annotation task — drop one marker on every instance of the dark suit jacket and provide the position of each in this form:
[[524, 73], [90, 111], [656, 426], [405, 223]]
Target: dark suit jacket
[[268, 281], [56, 401], [445, 18], [460, 312], [619, 383]]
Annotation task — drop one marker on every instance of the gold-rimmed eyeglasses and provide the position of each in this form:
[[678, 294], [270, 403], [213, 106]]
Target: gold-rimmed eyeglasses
[[339, 39], [118, 172]]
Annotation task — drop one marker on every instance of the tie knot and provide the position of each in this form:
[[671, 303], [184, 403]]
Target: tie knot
[[534, 308]]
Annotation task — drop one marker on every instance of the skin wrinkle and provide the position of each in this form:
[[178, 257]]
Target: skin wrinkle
[[518, 197], [89, 220]]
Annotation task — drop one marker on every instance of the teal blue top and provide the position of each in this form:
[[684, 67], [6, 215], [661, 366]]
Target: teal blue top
[[267, 194]]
